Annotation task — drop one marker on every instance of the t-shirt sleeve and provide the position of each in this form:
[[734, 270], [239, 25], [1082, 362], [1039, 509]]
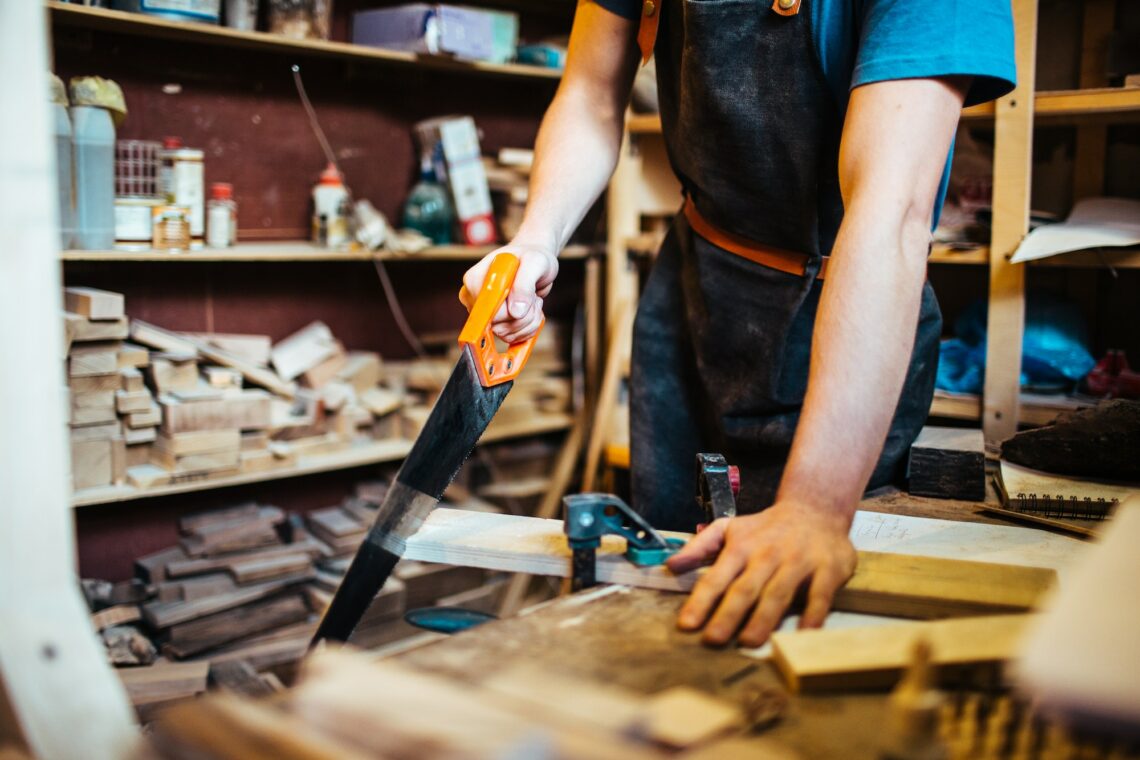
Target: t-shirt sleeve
[[907, 39], [630, 9]]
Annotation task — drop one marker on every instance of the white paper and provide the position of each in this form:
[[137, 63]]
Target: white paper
[[1094, 223]]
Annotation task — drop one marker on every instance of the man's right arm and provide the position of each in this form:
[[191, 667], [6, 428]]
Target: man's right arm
[[575, 154]]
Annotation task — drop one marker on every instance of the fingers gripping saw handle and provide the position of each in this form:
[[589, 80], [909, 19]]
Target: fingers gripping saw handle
[[494, 367]]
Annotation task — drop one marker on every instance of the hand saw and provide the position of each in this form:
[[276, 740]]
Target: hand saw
[[477, 386]]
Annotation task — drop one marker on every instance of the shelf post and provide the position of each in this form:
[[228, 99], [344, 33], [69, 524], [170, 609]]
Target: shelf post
[[1013, 166], [58, 695]]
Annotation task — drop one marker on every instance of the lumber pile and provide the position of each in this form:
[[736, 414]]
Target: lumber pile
[[241, 593], [349, 706], [150, 406]]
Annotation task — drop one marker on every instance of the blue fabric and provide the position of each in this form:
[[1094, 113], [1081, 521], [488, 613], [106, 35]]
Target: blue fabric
[[866, 41]]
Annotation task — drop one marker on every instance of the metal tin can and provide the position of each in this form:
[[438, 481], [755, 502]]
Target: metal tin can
[[171, 228]]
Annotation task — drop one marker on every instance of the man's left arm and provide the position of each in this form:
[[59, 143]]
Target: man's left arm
[[895, 141]]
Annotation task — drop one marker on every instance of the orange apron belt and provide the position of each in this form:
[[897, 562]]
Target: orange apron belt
[[647, 32], [791, 262]]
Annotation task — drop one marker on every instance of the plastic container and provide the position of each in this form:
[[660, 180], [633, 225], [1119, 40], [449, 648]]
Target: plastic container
[[134, 221], [93, 141], [221, 216], [65, 192], [241, 15], [428, 208], [184, 174], [330, 210]]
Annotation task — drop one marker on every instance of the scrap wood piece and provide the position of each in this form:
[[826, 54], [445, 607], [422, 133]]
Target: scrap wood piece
[[120, 614], [683, 716], [303, 350], [81, 329], [212, 631], [127, 646], [226, 727], [240, 678], [164, 681], [183, 568], [895, 584], [166, 614], [874, 657], [282, 647], [94, 303], [948, 463]]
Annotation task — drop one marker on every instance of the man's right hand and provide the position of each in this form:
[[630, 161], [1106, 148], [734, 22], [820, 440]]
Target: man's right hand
[[522, 313]]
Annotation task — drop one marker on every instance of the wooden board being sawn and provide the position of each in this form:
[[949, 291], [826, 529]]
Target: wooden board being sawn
[[932, 570]]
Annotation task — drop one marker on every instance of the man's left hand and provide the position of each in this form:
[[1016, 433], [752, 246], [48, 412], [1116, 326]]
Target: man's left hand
[[761, 561]]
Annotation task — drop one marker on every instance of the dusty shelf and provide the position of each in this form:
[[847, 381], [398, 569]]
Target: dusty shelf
[[297, 251], [65, 14], [376, 452]]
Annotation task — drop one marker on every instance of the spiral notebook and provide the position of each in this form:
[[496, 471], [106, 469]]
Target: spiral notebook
[[1069, 503]]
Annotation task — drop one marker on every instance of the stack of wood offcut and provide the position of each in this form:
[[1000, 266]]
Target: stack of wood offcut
[[171, 407], [239, 596]]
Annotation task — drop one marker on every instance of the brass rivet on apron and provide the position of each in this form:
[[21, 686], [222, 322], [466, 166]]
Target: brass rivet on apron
[[785, 4], [650, 7]]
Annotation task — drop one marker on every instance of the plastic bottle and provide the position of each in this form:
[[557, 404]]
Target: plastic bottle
[[221, 216], [187, 188], [330, 210], [428, 208], [64, 188], [93, 138]]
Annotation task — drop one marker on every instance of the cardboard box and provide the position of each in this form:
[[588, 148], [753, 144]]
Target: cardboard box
[[476, 34]]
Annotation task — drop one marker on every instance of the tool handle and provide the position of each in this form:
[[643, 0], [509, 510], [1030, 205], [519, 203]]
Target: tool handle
[[494, 367]]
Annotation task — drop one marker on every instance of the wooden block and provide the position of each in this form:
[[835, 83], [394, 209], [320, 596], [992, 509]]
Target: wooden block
[[874, 657], [83, 330], [257, 461], [239, 677], [166, 614], [335, 394], [147, 476], [211, 631], [152, 567], [132, 355], [246, 410], [249, 348], [163, 340], [120, 614], [92, 408], [683, 716], [94, 383], [136, 436], [131, 380], [118, 460], [318, 375], [168, 375], [254, 440], [188, 566], [248, 511], [97, 432], [235, 535], [303, 350], [164, 681], [199, 442], [148, 419], [948, 463], [93, 359], [257, 570], [223, 377], [380, 401], [361, 370], [198, 587], [129, 402], [91, 463], [93, 303], [138, 454], [196, 463]]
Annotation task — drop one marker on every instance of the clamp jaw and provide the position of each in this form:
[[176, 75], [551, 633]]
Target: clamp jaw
[[589, 516], [718, 483]]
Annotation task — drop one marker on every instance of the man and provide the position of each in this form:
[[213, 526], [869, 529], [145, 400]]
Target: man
[[812, 138]]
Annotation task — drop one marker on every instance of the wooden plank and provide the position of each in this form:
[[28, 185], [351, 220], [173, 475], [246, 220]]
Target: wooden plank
[[196, 463], [163, 340], [247, 410], [239, 677], [94, 383], [896, 584], [253, 349], [873, 657], [83, 330], [117, 615], [91, 463], [303, 350], [166, 614], [152, 567], [147, 476], [132, 355], [164, 681], [93, 359], [212, 631], [948, 463], [1013, 166], [325, 371], [169, 373], [95, 304], [148, 419], [361, 370], [250, 571], [198, 442], [131, 380], [130, 402]]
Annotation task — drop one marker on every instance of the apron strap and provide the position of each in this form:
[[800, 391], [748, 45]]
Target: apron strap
[[780, 259], [647, 32], [651, 15]]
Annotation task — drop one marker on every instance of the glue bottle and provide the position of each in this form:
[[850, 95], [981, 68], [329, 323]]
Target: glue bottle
[[330, 209]]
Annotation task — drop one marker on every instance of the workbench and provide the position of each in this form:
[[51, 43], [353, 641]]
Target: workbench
[[616, 635]]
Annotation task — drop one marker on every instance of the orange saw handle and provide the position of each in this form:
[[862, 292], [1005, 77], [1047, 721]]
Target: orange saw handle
[[494, 367]]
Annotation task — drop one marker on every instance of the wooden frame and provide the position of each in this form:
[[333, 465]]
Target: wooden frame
[[58, 696]]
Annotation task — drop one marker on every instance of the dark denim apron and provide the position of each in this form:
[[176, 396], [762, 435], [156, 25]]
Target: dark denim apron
[[721, 344]]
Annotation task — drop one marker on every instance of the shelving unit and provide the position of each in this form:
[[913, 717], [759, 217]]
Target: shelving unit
[[375, 452], [65, 14], [1118, 258], [1034, 408], [297, 251]]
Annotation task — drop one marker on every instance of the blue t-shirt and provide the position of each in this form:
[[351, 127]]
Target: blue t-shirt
[[865, 41]]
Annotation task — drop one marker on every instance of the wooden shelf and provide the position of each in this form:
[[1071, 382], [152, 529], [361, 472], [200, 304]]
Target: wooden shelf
[[64, 14], [1055, 105], [1036, 409], [944, 254], [298, 251], [1117, 258], [377, 452]]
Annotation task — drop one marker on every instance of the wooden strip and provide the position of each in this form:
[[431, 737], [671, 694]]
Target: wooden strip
[[251, 571], [166, 614], [83, 330], [164, 681], [117, 615], [188, 567], [214, 630], [240, 678], [93, 303], [895, 584], [873, 657]]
